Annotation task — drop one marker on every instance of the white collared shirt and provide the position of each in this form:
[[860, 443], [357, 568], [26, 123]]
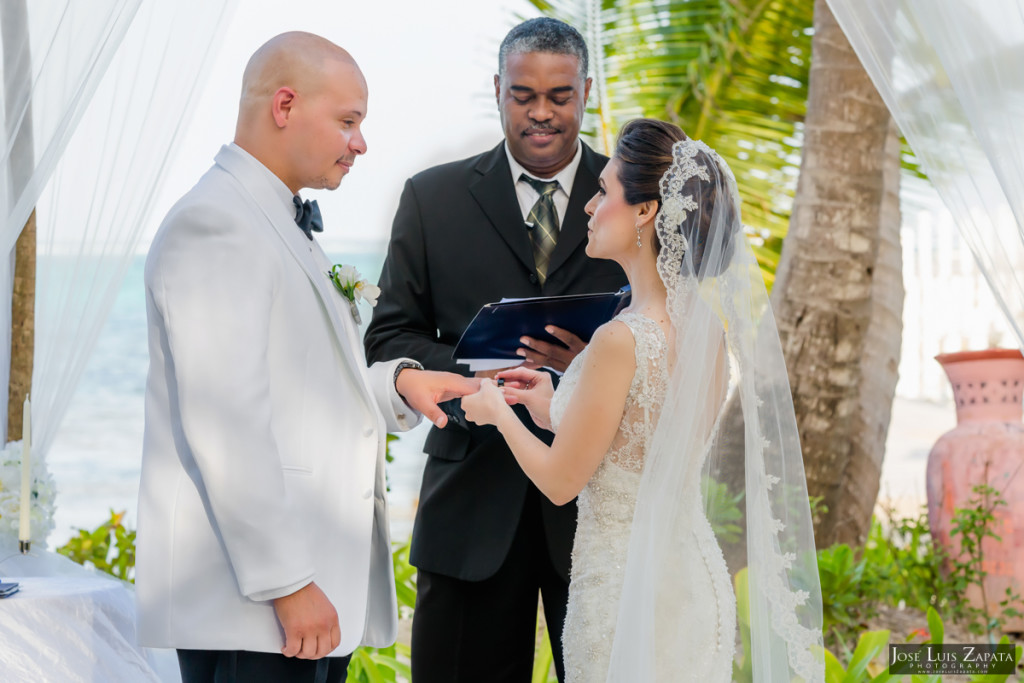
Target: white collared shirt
[[280, 189], [528, 196]]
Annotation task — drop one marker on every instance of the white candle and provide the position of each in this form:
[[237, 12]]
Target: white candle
[[24, 523]]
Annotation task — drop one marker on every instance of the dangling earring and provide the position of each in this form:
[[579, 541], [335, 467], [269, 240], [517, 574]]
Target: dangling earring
[[638, 243]]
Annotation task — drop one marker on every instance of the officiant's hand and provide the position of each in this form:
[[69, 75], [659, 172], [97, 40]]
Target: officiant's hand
[[531, 388], [539, 354], [424, 389], [310, 623]]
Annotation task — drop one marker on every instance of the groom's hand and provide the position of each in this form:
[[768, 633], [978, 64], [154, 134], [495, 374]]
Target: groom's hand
[[539, 354], [424, 389], [310, 623]]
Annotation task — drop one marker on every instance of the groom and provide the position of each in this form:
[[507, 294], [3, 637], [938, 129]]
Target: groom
[[465, 234], [263, 549]]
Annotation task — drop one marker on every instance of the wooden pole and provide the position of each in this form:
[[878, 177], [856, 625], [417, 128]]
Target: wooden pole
[[23, 327], [17, 79]]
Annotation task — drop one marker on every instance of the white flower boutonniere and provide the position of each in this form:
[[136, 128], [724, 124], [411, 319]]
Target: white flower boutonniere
[[353, 287]]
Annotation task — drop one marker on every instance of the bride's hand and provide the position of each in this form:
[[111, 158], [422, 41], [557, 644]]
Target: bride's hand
[[532, 389], [486, 406]]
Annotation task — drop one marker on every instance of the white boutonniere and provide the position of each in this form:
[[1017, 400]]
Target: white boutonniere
[[353, 287]]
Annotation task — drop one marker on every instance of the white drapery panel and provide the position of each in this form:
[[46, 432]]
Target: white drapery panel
[[101, 194], [54, 55], [950, 73]]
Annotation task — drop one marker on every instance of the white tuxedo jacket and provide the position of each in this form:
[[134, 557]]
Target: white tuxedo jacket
[[263, 459]]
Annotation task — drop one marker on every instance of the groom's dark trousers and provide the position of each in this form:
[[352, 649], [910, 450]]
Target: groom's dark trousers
[[242, 666], [485, 541]]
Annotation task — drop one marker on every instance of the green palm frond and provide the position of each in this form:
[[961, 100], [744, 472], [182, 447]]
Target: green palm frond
[[732, 73]]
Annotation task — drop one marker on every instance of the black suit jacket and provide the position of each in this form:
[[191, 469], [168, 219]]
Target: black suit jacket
[[459, 242]]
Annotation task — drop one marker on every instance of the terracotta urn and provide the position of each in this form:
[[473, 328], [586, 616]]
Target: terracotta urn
[[987, 446]]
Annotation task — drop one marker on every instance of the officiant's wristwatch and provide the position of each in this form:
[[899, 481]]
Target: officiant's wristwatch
[[405, 364]]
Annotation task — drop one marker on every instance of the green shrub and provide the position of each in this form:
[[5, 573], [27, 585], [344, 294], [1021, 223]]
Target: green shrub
[[850, 593], [906, 563], [973, 524], [869, 645], [110, 548]]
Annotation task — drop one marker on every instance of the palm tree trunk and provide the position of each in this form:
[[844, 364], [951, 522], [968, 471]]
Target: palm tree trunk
[[17, 78], [838, 295]]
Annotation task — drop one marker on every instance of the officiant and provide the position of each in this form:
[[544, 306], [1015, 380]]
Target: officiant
[[506, 223]]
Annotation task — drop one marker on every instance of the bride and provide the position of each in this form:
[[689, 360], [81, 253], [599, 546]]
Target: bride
[[675, 429]]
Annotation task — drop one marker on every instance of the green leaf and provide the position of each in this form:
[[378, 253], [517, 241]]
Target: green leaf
[[869, 646], [935, 626], [542, 661], [367, 666], [743, 671], [392, 663], [834, 671], [883, 677]]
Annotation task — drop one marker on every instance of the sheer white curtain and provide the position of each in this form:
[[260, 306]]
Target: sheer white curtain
[[54, 54], [100, 197], [950, 73]]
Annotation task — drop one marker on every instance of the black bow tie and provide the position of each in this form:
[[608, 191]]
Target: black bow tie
[[307, 216]]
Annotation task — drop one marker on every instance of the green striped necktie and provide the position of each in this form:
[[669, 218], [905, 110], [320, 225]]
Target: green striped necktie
[[544, 219]]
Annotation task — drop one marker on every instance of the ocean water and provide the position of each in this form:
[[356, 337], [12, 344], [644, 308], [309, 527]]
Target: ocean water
[[97, 453]]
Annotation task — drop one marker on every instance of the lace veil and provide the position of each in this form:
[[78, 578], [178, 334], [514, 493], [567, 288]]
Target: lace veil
[[725, 359]]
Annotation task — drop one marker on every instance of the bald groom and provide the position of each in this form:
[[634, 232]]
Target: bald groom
[[263, 548]]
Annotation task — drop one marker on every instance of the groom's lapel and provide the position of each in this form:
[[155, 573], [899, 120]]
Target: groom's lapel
[[300, 247], [340, 305]]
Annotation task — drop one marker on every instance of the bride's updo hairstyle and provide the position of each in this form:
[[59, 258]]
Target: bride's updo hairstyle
[[644, 151]]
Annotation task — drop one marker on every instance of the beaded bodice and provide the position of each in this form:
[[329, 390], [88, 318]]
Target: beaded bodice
[[643, 403]]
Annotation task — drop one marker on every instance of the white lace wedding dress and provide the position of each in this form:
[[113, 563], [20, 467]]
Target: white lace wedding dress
[[696, 623]]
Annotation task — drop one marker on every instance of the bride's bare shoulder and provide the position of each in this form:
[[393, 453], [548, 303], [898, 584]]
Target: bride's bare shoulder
[[613, 340], [610, 361]]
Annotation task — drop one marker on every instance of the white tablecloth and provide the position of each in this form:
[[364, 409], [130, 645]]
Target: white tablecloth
[[68, 629]]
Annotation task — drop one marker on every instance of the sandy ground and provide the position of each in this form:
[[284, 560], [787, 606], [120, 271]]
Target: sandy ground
[[913, 430]]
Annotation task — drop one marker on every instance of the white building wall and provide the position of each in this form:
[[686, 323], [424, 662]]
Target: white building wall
[[948, 305]]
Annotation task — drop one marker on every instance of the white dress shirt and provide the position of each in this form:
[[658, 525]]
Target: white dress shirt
[[528, 196]]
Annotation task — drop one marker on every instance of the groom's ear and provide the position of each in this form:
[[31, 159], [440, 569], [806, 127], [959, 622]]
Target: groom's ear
[[281, 106]]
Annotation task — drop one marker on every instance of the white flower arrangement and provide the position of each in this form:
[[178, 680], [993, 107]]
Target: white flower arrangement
[[353, 287], [42, 497]]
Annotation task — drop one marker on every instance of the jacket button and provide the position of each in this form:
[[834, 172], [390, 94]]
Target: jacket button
[[368, 431], [367, 494], [533, 278]]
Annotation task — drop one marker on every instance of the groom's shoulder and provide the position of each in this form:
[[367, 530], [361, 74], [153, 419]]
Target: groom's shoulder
[[214, 195], [215, 205]]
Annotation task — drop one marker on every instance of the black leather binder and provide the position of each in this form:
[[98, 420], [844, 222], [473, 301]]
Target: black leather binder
[[497, 327]]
